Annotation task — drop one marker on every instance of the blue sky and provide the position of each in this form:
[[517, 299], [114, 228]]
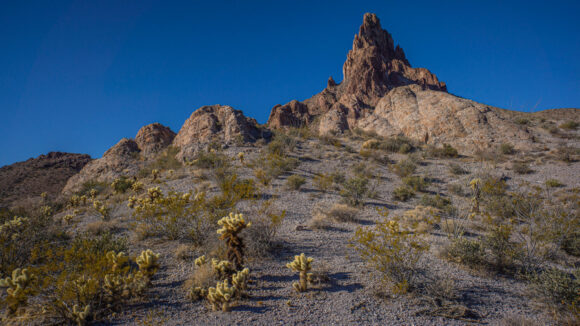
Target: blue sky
[[77, 76]]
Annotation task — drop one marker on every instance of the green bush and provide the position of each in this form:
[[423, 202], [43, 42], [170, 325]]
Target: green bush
[[398, 144], [558, 286], [457, 169], [295, 181], [393, 252], [354, 191], [447, 151], [553, 183], [521, 168], [522, 121], [507, 149], [403, 193], [417, 183], [404, 168], [122, 184], [437, 201], [570, 125], [465, 251]]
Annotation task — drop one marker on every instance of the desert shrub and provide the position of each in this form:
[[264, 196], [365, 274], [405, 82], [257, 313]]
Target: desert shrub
[[262, 176], [506, 149], [403, 193], [175, 215], [375, 155], [447, 151], [122, 184], [338, 177], [393, 252], [276, 165], [404, 168], [557, 286], [281, 144], [456, 189], [233, 189], [371, 144], [420, 219], [417, 183], [521, 168], [329, 139], [465, 251], [266, 222], [457, 169], [398, 144], [295, 181], [319, 220], [94, 186], [522, 121], [362, 169], [570, 125], [553, 183], [354, 191], [342, 213], [571, 244], [323, 182], [167, 160], [302, 132], [437, 201], [502, 251], [211, 160]]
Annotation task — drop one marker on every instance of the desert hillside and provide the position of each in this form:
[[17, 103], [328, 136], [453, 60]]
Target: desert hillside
[[382, 200]]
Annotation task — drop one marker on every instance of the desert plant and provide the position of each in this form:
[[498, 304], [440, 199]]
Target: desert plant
[[18, 288], [398, 144], [417, 183], [355, 190], [506, 149], [231, 226], [102, 209], [266, 221], [557, 286], [342, 213], [522, 121], [404, 168], [221, 295], [521, 168], [447, 151], [570, 125], [403, 193], [437, 201], [295, 181], [322, 182], [553, 183], [302, 265], [122, 184], [240, 281], [392, 252], [148, 263], [457, 169], [465, 251]]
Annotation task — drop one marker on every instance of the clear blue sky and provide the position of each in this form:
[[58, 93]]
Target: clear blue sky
[[77, 76]]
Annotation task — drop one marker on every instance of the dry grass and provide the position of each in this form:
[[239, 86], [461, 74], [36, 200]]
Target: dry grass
[[101, 227], [183, 252], [342, 213]]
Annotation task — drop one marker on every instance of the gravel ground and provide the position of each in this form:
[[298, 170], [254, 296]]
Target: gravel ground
[[353, 295]]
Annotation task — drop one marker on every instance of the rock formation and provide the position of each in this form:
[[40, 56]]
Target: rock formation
[[125, 158], [215, 123], [373, 67], [153, 138], [382, 92], [46, 173]]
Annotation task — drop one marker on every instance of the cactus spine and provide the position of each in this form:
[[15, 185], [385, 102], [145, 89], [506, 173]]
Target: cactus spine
[[231, 226], [148, 264], [302, 265]]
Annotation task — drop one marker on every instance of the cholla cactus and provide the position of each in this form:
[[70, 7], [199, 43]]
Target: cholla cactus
[[80, 315], [475, 186], [154, 193], [102, 209], [240, 281], [115, 288], [18, 288], [117, 261], [46, 211], [93, 193], [302, 265], [132, 201], [148, 264], [222, 268], [221, 296], [137, 186], [231, 226], [155, 174], [11, 230], [241, 157], [68, 218], [200, 261], [43, 195]]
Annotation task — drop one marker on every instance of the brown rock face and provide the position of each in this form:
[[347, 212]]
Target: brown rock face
[[46, 173], [373, 67], [219, 123], [153, 138], [121, 159]]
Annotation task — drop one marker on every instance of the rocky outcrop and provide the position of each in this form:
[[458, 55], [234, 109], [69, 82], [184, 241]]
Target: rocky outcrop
[[46, 173], [438, 117], [373, 67], [154, 138], [215, 123], [127, 157], [121, 159]]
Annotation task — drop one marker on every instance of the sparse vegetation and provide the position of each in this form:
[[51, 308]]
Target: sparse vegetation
[[294, 182], [403, 193]]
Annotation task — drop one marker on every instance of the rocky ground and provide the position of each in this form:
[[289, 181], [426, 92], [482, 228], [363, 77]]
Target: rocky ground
[[351, 293]]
